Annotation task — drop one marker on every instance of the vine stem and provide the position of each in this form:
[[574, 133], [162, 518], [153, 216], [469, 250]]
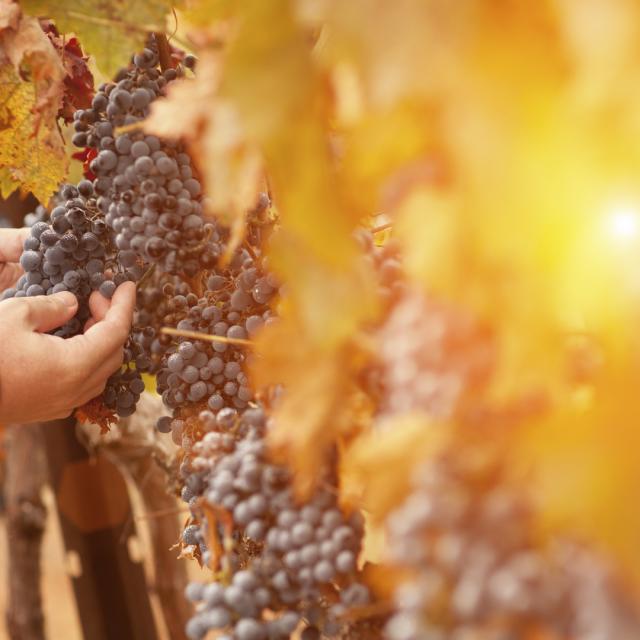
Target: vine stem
[[164, 50], [196, 335]]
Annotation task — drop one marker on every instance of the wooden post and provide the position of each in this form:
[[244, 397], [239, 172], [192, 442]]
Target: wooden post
[[93, 504], [26, 519]]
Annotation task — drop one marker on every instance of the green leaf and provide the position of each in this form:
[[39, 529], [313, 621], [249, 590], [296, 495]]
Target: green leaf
[[111, 30]]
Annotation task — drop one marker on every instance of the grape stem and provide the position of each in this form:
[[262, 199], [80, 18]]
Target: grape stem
[[250, 250], [125, 128], [164, 51], [196, 335], [145, 277]]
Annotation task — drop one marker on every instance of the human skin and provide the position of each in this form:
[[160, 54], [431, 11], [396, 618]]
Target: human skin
[[44, 377]]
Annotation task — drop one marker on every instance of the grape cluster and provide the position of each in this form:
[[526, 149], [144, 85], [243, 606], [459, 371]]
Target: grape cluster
[[236, 302], [297, 561], [237, 608], [123, 391], [147, 344], [71, 252], [115, 226], [146, 187], [478, 572], [286, 557], [431, 356], [384, 261]]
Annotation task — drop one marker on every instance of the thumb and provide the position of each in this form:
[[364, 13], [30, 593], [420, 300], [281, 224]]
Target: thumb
[[44, 313]]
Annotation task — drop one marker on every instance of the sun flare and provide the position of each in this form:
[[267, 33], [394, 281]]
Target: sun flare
[[623, 222]]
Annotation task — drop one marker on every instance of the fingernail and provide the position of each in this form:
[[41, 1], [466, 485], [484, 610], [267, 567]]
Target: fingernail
[[68, 298]]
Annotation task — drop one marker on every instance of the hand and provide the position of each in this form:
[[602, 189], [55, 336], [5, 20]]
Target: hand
[[11, 245], [44, 377]]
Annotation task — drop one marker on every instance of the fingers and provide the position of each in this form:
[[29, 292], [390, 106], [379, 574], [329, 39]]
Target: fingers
[[11, 243], [43, 313], [123, 302], [102, 338], [108, 367], [90, 393], [97, 380], [116, 323], [119, 315], [98, 305]]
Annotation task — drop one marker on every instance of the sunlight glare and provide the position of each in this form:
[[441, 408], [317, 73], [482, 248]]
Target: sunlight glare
[[623, 222]]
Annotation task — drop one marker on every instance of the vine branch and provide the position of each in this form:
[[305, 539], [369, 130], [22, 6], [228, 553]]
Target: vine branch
[[196, 335]]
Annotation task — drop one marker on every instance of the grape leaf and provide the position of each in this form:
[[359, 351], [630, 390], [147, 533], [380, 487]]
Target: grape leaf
[[78, 81], [32, 154], [363, 33], [110, 30], [317, 408], [27, 48], [319, 320], [30, 161], [329, 291], [585, 464], [377, 467]]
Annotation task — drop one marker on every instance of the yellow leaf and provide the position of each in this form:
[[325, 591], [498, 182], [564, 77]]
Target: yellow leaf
[[386, 152], [317, 406], [274, 67], [401, 48], [428, 229], [32, 155], [110, 30], [377, 469], [29, 161], [202, 13], [585, 468], [25, 45]]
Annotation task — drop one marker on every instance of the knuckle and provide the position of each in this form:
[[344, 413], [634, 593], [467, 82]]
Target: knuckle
[[29, 312]]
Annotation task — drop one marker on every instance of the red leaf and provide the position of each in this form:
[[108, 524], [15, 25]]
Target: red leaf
[[86, 156], [78, 83]]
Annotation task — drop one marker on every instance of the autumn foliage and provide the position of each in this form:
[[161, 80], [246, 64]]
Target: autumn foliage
[[455, 186]]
